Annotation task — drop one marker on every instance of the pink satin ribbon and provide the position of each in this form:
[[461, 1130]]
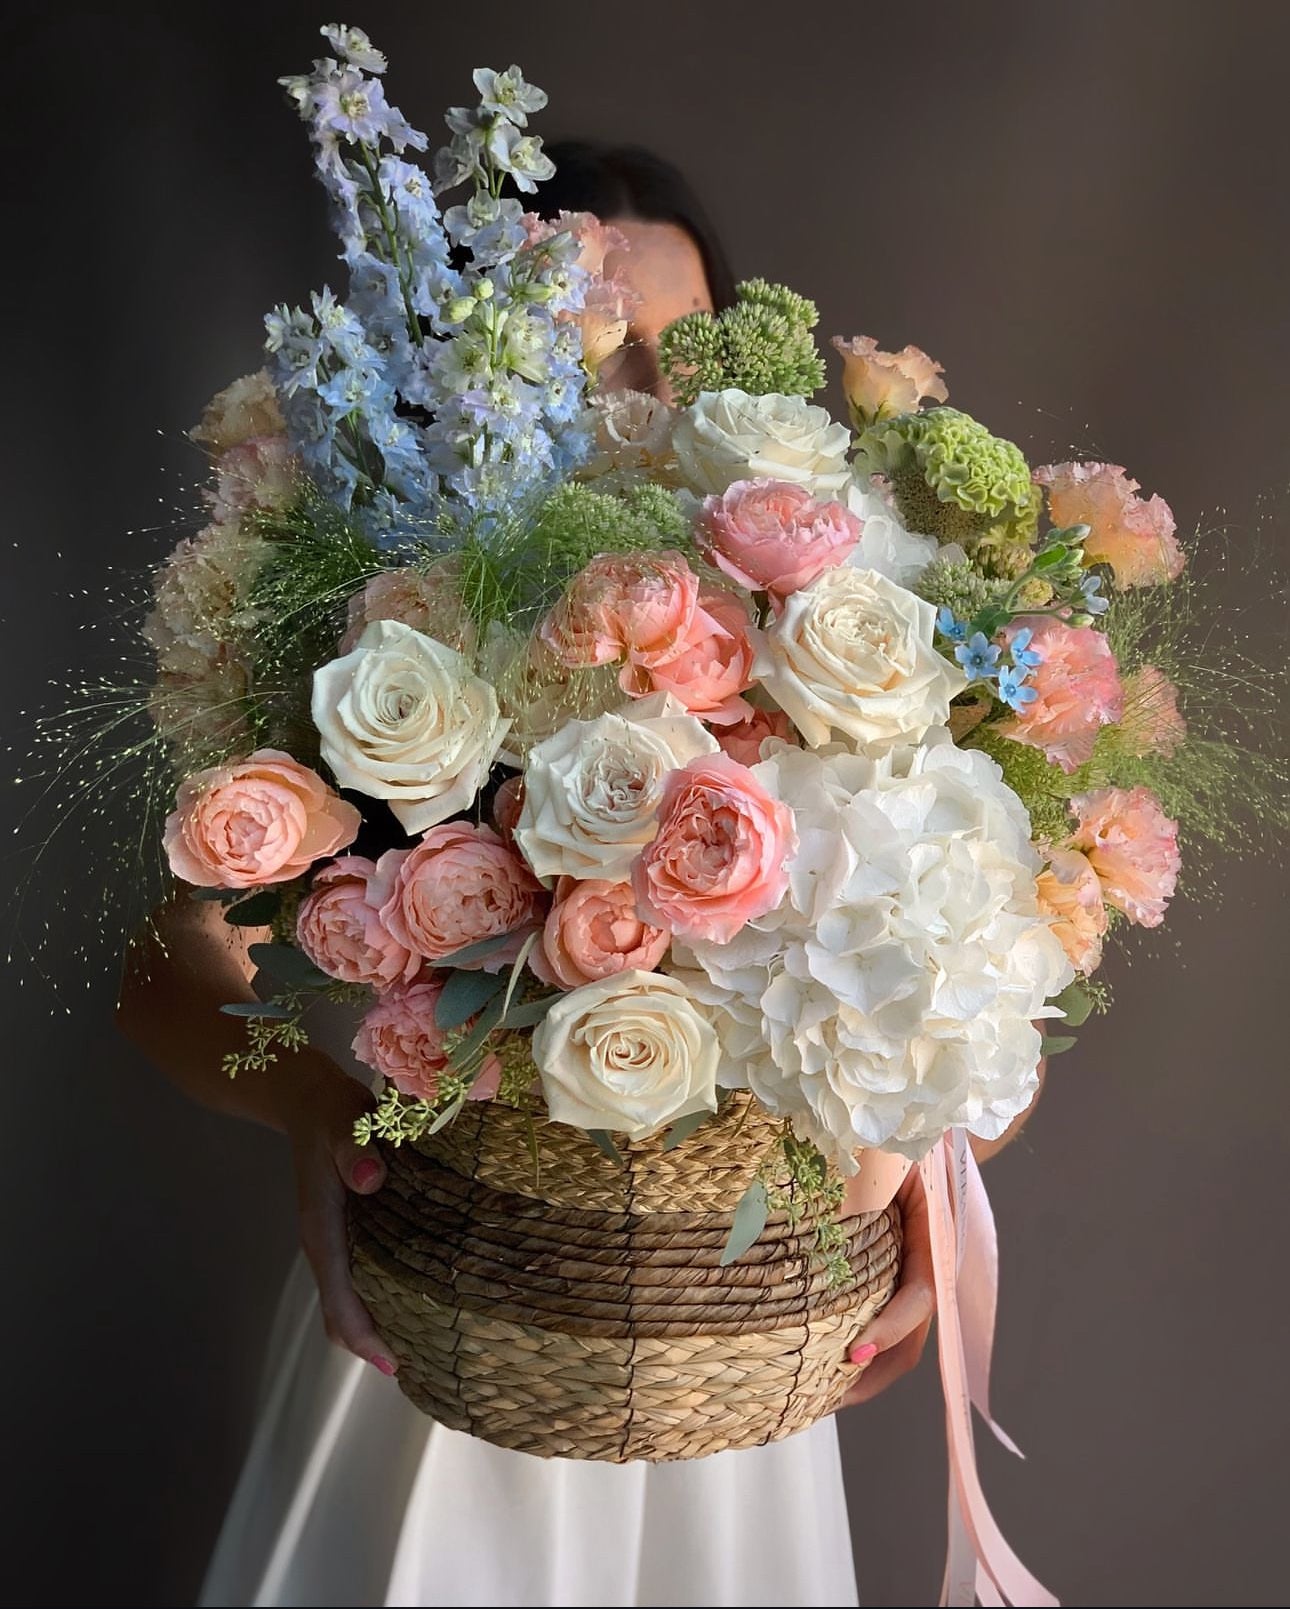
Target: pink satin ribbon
[[965, 1265]]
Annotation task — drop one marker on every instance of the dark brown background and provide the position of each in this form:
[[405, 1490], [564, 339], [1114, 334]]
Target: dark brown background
[[1081, 211]]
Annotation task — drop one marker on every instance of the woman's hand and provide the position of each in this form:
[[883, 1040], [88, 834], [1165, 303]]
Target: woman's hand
[[329, 1162], [892, 1345]]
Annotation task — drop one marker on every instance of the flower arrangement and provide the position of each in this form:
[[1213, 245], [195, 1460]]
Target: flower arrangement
[[700, 746]]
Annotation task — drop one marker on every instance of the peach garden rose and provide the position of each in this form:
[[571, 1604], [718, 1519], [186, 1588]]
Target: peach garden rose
[[714, 664], [253, 822], [594, 930], [339, 928]]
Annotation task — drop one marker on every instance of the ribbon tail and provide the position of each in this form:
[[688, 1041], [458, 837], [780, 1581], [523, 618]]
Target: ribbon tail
[[1000, 1577], [978, 1277]]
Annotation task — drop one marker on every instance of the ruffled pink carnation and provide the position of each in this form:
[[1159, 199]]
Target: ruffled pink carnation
[[880, 384], [593, 931], [459, 885], [1152, 722], [624, 605], [259, 473], [339, 928], [714, 666], [743, 741], [773, 536], [1078, 690], [1070, 892], [1134, 535], [721, 854], [429, 600], [261, 820], [1132, 846]]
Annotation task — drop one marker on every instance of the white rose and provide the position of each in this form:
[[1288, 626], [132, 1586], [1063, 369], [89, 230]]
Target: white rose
[[886, 544], [404, 718], [852, 653], [626, 1054], [592, 792], [631, 436], [727, 436]]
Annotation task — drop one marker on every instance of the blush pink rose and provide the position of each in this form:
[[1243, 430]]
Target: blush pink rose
[[721, 854], [1078, 690], [624, 605], [773, 536], [1152, 722], [508, 802], [429, 600], [714, 666], [880, 384], [1134, 535], [459, 885], [400, 1039], [252, 822], [1133, 847], [743, 741], [593, 931], [1070, 892], [340, 930]]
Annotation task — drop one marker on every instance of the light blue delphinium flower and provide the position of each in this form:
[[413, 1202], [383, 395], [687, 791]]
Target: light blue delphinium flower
[[508, 94], [353, 46], [979, 657], [1013, 688], [952, 629]]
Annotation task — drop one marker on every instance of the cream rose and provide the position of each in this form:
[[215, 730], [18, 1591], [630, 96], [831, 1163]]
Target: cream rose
[[627, 1054], [727, 436], [852, 653], [404, 718], [592, 792]]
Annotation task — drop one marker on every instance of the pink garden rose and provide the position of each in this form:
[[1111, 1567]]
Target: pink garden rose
[[427, 599], [400, 1039], [1132, 846], [714, 666], [880, 384], [624, 605], [252, 822], [1070, 892], [1152, 722], [459, 885], [593, 931], [743, 741], [720, 857], [1078, 690], [339, 928], [1134, 535], [773, 536]]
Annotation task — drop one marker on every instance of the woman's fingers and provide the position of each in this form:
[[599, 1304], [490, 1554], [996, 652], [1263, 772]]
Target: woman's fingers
[[359, 1166], [893, 1343], [326, 1244]]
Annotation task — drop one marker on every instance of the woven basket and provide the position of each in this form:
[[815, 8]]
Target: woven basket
[[577, 1308]]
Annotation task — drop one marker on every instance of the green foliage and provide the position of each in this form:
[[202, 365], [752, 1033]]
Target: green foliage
[[762, 344], [399, 1118]]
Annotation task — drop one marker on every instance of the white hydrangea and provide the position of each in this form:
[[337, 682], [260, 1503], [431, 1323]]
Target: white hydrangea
[[891, 995]]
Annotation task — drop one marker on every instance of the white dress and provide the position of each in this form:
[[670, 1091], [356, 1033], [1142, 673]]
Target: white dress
[[351, 1496]]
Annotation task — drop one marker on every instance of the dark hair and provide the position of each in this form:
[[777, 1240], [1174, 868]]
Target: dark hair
[[625, 181]]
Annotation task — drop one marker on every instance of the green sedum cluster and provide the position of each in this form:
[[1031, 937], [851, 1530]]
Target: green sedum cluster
[[953, 480], [762, 344]]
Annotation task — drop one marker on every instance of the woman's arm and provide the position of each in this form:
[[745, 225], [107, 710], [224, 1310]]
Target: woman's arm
[[169, 1007]]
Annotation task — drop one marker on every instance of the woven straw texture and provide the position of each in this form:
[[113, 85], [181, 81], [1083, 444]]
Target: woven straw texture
[[577, 1308]]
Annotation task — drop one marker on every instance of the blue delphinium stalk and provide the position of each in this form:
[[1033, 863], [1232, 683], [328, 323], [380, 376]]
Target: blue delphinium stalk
[[439, 379]]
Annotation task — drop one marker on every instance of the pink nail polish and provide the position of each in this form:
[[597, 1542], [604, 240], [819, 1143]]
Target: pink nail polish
[[364, 1172], [383, 1364], [863, 1354]]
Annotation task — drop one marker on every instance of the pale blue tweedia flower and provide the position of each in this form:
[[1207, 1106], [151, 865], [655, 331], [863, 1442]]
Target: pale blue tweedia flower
[[952, 629], [1023, 655], [1013, 689], [979, 657]]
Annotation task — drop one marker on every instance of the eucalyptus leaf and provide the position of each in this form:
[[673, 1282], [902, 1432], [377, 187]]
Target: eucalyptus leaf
[[478, 952], [529, 1013], [600, 1139], [473, 1043], [1055, 1044], [464, 994], [684, 1127], [1076, 1003], [446, 1116], [258, 911], [258, 1008], [517, 969], [288, 965], [749, 1221]]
